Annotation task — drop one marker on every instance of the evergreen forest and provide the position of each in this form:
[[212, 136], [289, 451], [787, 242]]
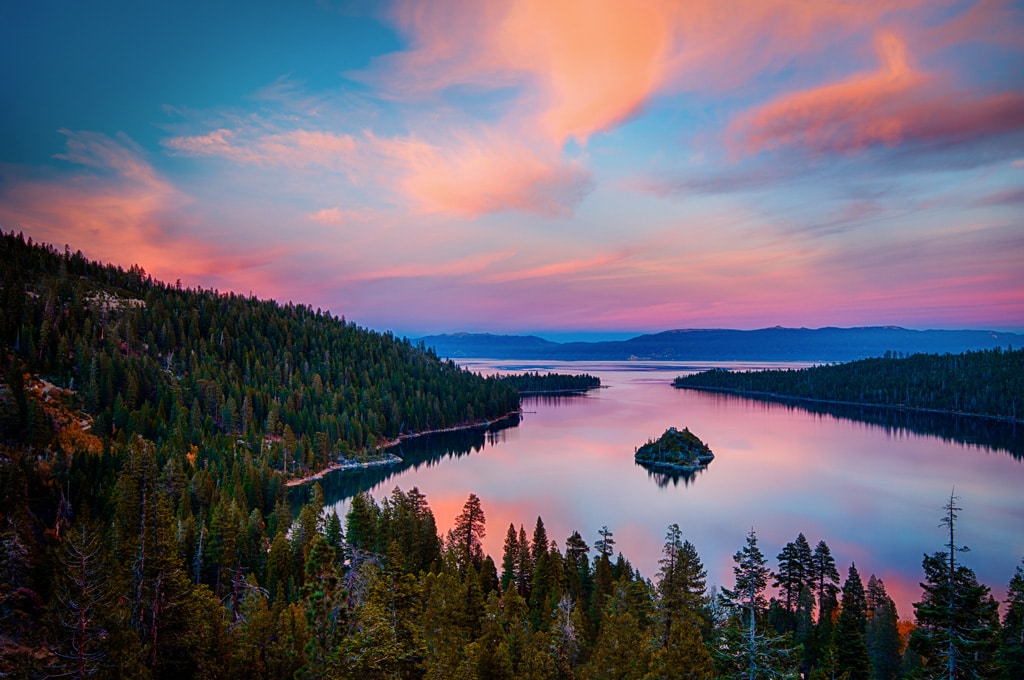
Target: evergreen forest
[[148, 436], [986, 383], [551, 383]]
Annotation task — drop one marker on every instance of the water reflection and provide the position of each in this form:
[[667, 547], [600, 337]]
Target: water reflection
[[663, 476], [425, 451], [984, 433], [872, 486]]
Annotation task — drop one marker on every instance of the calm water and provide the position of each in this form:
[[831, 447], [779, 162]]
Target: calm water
[[874, 493]]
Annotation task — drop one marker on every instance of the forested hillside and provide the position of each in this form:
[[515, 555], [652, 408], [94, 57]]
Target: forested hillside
[[187, 365], [159, 425], [987, 383]]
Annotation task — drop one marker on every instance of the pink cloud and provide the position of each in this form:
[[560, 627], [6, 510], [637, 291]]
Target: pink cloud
[[471, 176], [465, 173], [557, 270], [335, 217], [117, 208], [458, 268], [895, 104], [297, 148], [584, 67]]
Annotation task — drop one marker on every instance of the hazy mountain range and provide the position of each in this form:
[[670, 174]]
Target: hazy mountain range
[[766, 344]]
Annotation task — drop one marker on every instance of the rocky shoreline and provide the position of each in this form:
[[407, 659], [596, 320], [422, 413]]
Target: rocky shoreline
[[675, 450], [390, 458]]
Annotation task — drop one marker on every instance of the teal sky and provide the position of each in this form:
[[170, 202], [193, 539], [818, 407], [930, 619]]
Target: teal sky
[[562, 168]]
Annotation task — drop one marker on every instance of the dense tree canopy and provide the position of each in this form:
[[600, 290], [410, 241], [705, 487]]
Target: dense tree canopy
[[987, 382]]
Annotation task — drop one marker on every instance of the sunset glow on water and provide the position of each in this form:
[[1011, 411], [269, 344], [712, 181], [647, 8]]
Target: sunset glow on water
[[873, 495]]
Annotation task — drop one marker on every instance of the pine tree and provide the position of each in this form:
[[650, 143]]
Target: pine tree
[[466, 534], [326, 600], [825, 578], [621, 651], [84, 593], [388, 639], [361, 523], [577, 567], [1011, 644], [539, 545], [604, 545], [883, 635], [795, 566], [681, 586], [525, 565], [957, 617], [510, 558], [851, 630], [742, 650]]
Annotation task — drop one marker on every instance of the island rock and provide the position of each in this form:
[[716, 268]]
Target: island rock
[[676, 450]]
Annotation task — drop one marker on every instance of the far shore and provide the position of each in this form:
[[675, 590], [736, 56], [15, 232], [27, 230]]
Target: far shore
[[775, 396], [392, 459], [558, 393]]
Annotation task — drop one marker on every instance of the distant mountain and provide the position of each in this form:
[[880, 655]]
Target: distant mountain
[[467, 345], [766, 344]]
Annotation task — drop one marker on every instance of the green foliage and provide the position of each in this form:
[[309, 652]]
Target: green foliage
[[851, 630], [550, 383], [986, 382], [675, 448], [957, 617], [1011, 643]]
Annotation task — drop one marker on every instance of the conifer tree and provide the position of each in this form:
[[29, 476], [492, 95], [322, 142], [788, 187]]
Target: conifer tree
[[604, 545], [621, 651], [681, 586], [465, 536], [883, 635], [825, 578], [1011, 643], [957, 618], [577, 567], [84, 594], [510, 558], [795, 566], [539, 545], [851, 630], [743, 651], [525, 565]]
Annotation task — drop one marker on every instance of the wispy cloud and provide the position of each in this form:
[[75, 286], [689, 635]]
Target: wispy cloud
[[295, 149]]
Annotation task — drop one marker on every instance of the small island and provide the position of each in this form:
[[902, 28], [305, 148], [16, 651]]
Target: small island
[[676, 450]]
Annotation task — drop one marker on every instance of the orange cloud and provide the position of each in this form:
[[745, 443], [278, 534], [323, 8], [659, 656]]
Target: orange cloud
[[489, 173], [895, 104], [584, 66], [859, 112]]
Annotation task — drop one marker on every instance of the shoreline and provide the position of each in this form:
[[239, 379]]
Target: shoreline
[[775, 396], [390, 458], [559, 393]]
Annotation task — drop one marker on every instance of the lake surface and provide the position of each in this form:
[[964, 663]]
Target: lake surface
[[873, 492]]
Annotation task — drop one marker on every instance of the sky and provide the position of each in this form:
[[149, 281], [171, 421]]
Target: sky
[[571, 168]]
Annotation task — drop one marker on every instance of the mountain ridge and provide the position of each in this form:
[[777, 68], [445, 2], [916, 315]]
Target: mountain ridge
[[777, 343]]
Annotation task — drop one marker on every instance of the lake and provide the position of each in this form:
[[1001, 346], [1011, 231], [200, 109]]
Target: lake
[[873, 491]]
